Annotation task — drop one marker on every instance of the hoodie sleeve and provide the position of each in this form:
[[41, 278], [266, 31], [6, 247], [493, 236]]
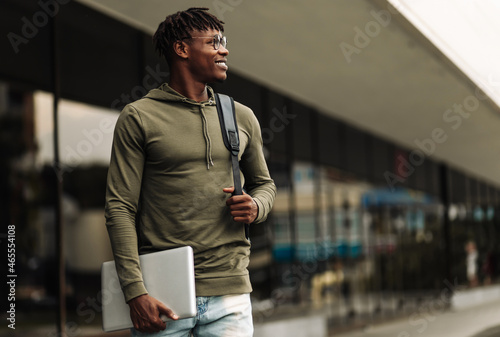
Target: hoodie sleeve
[[253, 165], [122, 199]]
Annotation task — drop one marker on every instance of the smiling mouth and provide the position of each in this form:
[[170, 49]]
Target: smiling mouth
[[222, 64]]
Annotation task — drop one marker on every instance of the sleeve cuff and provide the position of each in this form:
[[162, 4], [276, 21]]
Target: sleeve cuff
[[261, 214], [134, 290]]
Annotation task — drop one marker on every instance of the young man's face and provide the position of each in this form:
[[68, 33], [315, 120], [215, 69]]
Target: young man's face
[[207, 65]]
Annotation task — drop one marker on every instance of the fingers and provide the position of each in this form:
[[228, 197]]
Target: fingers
[[238, 199], [243, 207], [231, 190], [167, 311], [245, 218], [145, 314], [149, 322], [228, 189]]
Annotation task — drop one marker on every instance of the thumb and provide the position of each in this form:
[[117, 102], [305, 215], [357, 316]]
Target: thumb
[[162, 308], [228, 189]]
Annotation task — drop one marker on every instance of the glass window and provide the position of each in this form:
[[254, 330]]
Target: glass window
[[29, 180]]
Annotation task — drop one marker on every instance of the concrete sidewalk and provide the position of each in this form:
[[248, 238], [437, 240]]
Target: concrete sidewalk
[[478, 320], [470, 312]]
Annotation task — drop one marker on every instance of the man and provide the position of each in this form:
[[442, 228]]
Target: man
[[170, 185]]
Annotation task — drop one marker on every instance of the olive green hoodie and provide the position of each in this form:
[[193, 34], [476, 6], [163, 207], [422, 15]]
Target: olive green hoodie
[[168, 167]]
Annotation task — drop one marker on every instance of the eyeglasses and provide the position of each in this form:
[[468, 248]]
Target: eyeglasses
[[218, 40]]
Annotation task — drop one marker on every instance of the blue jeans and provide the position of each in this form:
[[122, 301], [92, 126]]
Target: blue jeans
[[217, 316]]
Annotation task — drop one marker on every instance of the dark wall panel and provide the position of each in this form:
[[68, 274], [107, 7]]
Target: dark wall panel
[[274, 132], [420, 182], [244, 91], [101, 57], [482, 188], [474, 195], [433, 181], [458, 189], [155, 70], [355, 152], [28, 62], [301, 122], [413, 170], [379, 159], [329, 141]]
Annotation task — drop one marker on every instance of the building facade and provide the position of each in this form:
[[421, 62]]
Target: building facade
[[361, 226]]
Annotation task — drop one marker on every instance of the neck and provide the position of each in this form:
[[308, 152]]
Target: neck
[[188, 87]]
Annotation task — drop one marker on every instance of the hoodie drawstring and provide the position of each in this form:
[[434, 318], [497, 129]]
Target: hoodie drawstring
[[208, 141]]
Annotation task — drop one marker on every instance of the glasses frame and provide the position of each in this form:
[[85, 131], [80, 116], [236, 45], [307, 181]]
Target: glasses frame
[[217, 41]]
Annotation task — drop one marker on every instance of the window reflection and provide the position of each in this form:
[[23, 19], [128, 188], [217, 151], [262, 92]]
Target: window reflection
[[28, 180], [353, 247]]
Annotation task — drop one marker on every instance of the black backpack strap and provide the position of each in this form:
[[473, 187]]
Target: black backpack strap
[[230, 136]]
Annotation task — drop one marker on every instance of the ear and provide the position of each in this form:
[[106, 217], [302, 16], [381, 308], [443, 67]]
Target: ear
[[181, 49]]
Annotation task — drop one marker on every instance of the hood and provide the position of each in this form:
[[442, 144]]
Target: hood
[[167, 94]]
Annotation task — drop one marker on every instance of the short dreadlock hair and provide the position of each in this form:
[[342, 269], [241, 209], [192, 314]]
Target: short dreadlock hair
[[180, 25]]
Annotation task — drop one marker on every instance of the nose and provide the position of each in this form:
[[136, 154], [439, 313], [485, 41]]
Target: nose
[[223, 50]]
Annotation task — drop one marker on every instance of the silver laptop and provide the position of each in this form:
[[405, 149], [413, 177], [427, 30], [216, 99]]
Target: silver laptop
[[168, 276]]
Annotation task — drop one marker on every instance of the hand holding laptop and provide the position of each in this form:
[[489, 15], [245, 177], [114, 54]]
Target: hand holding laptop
[[145, 314], [169, 279]]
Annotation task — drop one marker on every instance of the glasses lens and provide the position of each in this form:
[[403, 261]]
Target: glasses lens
[[218, 40]]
